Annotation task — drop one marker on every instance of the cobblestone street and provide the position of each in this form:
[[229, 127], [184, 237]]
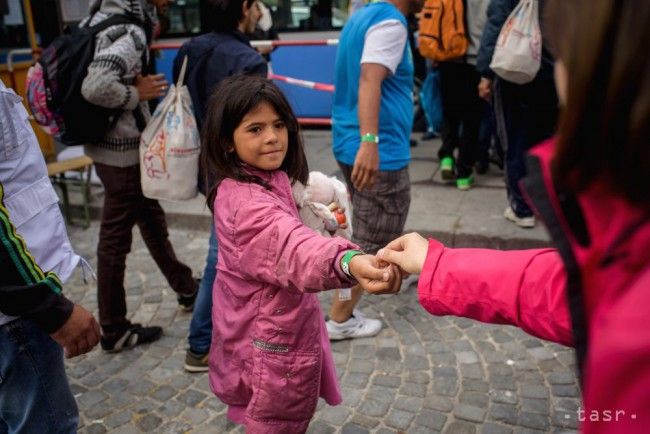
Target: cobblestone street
[[421, 374]]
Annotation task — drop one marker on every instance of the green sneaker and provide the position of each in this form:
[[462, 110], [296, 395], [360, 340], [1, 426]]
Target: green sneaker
[[465, 183], [447, 168]]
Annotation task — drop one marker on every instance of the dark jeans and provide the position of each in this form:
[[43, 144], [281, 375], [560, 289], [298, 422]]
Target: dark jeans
[[462, 111], [201, 325], [125, 206], [35, 396], [526, 115]]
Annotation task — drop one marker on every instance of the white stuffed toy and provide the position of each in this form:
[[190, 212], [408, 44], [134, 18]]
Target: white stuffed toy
[[324, 205]]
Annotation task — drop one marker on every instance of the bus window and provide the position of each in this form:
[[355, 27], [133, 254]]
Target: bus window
[[13, 30], [186, 18], [183, 18], [308, 14]]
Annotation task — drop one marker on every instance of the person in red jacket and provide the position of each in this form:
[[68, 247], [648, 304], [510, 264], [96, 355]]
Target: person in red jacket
[[589, 186]]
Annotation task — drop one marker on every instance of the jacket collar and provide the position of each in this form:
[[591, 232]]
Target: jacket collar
[[599, 236], [236, 34]]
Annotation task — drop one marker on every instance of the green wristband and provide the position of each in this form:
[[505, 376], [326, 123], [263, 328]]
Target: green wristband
[[369, 137], [345, 261]]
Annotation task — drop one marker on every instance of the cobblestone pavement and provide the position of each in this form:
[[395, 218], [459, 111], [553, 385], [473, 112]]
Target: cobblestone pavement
[[421, 374]]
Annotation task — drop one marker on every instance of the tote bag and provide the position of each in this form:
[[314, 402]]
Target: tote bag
[[169, 147], [518, 52]]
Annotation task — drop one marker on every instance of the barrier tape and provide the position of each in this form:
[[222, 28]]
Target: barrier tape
[[265, 43], [303, 83]]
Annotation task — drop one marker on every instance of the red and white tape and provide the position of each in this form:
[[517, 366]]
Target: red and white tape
[[303, 83]]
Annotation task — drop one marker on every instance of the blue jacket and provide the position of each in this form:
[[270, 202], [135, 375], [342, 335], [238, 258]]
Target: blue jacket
[[498, 12], [211, 58]]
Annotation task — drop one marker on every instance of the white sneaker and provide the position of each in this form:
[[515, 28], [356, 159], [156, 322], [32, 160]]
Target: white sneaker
[[522, 222], [358, 326]]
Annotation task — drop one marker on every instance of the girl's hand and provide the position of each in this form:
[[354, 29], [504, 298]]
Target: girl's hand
[[408, 252], [374, 278]]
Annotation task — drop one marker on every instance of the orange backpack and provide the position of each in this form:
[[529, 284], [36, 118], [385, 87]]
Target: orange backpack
[[442, 30]]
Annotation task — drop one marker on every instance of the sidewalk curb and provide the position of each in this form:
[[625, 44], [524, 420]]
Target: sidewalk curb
[[449, 239]]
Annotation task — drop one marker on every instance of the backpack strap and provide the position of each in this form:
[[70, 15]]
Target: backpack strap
[[113, 20]]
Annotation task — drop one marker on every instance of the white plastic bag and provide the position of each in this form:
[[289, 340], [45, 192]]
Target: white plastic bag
[[518, 52], [169, 147]]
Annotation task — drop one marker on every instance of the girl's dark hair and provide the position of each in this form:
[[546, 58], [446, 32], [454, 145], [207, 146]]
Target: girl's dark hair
[[231, 100], [604, 130], [224, 15]]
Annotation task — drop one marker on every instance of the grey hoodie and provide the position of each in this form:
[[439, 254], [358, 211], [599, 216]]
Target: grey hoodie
[[119, 52]]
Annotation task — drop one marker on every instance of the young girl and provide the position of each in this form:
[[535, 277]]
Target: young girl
[[270, 357]]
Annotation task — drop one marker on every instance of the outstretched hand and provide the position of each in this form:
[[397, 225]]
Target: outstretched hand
[[373, 276], [408, 252]]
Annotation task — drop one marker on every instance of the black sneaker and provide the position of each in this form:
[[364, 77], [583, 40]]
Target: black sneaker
[[134, 335], [186, 302], [196, 362]]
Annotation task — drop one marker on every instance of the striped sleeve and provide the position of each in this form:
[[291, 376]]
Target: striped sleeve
[[25, 289]]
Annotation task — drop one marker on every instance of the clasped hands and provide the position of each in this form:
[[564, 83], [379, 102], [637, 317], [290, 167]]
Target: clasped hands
[[383, 273]]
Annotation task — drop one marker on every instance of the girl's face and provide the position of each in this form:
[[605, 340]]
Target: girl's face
[[261, 139]]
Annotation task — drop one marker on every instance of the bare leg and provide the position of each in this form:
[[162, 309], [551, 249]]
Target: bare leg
[[341, 311]]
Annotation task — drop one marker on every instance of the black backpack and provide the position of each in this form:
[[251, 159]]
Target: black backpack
[[65, 65]]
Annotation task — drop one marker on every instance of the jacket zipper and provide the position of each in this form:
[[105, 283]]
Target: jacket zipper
[[267, 346]]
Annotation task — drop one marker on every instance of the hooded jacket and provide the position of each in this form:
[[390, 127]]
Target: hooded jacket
[[270, 356], [592, 292], [120, 54]]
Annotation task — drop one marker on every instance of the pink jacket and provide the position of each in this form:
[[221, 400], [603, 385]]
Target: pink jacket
[[592, 292], [270, 357]]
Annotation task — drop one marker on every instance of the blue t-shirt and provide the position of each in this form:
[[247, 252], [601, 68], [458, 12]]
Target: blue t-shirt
[[396, 109]]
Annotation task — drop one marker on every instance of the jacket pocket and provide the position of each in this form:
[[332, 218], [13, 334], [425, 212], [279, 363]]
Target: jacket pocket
[[285, 384], [30, 201]]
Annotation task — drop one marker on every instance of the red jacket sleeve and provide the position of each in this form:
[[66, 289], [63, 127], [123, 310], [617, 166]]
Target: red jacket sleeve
[[524, 288]]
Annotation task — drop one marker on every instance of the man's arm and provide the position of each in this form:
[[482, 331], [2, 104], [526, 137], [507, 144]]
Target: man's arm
[[27, 291], [497, 14], [366, 163], [383, 51]]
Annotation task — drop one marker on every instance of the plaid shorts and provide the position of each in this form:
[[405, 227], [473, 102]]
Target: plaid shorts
[[379, 213]]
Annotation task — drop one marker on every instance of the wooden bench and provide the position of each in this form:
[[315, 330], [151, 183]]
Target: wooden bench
[[57, 173]]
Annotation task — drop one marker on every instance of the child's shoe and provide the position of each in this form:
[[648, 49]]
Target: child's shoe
[[196, 362], [447, 168], [357, 326]]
